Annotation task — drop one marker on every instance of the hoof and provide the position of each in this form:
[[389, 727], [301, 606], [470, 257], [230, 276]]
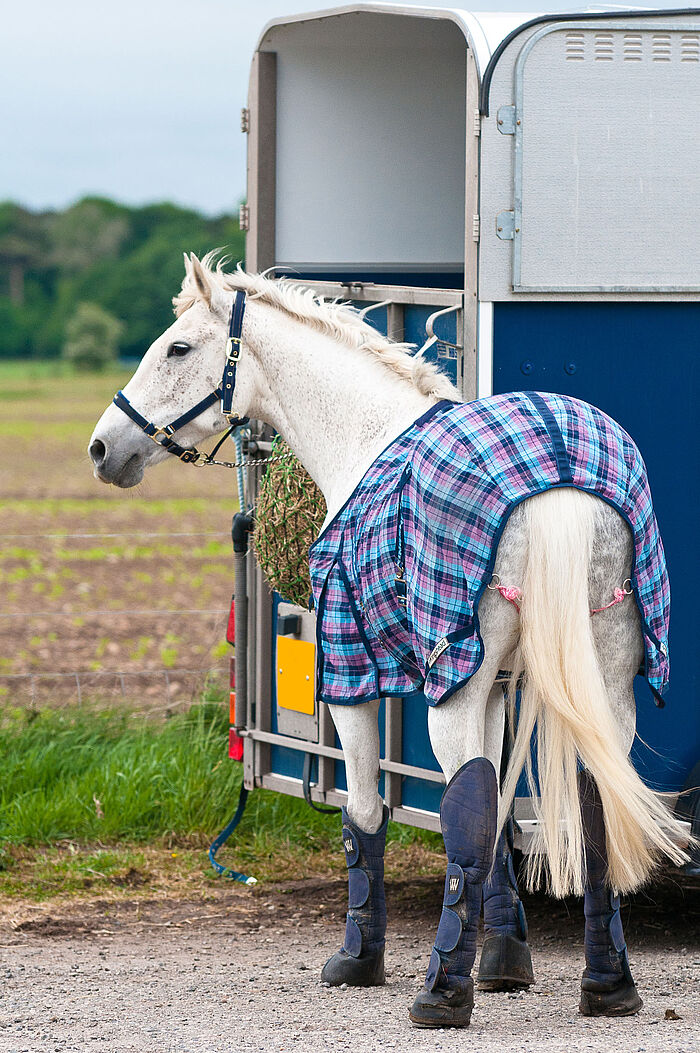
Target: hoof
[[620, 999], [449, 1008], [365, 971], [506, 964]]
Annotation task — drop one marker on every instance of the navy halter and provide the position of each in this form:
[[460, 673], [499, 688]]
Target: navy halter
[[163, 435]]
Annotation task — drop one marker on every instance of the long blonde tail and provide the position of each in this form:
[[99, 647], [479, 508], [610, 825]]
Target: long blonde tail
[[563, 699]]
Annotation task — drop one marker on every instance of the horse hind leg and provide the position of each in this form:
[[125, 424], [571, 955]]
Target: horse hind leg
[[468, 815], [505, 963], [607, 985]]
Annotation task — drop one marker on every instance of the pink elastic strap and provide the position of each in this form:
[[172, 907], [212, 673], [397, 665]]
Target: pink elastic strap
[[619, 597], [512, 593]]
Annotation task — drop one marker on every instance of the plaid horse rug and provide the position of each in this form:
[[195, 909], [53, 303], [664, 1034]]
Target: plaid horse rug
[[398, 573]]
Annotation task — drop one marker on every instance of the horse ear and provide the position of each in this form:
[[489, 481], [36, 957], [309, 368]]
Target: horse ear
[[201, 279]]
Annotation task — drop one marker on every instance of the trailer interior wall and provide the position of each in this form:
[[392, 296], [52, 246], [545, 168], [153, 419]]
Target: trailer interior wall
[[370, 143]]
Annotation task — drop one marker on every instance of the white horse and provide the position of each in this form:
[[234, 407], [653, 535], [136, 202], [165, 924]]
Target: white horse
[[340, 394]]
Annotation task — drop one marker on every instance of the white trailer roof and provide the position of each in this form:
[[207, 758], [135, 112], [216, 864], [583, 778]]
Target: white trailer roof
[[483, 31]]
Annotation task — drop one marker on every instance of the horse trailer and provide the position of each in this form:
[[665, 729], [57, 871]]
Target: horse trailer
[[524, 198]]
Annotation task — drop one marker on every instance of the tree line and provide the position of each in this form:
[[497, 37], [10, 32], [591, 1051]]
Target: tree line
[[101, 263]]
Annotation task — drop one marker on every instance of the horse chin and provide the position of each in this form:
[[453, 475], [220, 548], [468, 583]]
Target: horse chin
[[128, 475]]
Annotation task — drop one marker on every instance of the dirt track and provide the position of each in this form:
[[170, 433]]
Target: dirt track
[[240, 972]]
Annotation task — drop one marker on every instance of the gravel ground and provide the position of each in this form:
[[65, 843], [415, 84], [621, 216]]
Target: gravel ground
[[240, 972]]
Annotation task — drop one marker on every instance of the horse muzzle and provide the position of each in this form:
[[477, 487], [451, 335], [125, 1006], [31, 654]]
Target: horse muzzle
[[114, 465]]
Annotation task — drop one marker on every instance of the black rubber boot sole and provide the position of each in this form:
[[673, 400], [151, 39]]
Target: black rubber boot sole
[[443, 1008], [621, 1000], [365, 971], [505, 965]]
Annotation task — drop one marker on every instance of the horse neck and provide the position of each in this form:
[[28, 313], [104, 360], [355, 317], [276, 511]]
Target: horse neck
[[336, 406]]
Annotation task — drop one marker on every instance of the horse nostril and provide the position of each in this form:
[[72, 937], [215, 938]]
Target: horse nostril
[[98, 452]]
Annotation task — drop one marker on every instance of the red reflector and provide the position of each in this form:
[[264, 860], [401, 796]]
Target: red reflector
[[232, 707], [232, 673], [231, 627], [235, 745]]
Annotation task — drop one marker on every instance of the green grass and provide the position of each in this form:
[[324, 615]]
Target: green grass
[[112, 802]]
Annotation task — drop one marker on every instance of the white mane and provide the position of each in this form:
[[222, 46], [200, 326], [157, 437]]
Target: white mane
[[339, 320]]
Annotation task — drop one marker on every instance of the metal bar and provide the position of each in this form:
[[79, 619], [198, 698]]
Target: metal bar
[[271, 738], [262, 160], [393, 746], [263, 668], [250, 748], [398, 294], [395, 321], [326, 765], [468, 339]]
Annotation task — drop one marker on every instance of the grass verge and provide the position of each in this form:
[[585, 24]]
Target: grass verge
[[108, 803]]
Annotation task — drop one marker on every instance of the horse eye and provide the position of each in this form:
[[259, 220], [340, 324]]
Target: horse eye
[[178, 349]]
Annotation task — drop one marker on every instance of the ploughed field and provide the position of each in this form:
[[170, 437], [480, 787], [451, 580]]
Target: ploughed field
[[86, 570]]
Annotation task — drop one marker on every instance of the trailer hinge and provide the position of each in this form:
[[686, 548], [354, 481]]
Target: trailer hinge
[[506, 120], [476, 228], [505, 225], [244, 217], [477, 124], [245, 119]]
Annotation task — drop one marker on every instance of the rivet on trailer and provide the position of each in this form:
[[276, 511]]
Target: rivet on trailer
[[525, 199]]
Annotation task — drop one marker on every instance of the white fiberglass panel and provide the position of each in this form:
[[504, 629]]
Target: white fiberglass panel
[[370, 143]]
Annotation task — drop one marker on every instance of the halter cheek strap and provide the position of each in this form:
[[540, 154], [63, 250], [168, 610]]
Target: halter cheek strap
[[163, 435]]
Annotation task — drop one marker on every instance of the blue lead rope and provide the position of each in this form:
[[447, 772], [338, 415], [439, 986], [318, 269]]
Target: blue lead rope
[[223, 837]]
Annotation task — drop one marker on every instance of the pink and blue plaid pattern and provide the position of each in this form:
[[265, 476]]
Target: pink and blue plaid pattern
[[398, 574]]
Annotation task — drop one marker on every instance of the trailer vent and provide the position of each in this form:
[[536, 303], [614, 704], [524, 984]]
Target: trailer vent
[[604, 47], [632, 47], [690, 47], [575, 47], [661, 47]]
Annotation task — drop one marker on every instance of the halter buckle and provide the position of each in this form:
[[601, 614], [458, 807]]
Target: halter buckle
[[233, 348], [166, 432]]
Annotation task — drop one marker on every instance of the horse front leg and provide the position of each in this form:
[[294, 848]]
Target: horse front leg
[[360, 961], [505, 963]]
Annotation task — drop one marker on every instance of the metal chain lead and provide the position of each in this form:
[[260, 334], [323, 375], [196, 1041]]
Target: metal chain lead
[[240, 464]]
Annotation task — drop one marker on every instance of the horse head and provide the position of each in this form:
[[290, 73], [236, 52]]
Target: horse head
[[181, 370]]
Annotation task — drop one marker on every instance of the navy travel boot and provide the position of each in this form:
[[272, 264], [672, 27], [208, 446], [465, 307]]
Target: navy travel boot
[[360, 961], [505, 964], [468, 813], [607, 987]]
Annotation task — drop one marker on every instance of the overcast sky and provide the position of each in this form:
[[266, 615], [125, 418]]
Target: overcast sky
[[135, 99]]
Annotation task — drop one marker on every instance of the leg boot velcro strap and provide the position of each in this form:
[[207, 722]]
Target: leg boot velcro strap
[[353, 937], [358, 887], [449, 931], [434, 974]]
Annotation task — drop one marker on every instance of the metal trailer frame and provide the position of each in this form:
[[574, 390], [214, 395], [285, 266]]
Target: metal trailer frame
[[496, 49]]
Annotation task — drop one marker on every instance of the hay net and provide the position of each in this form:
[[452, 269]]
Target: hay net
[[290, 511]]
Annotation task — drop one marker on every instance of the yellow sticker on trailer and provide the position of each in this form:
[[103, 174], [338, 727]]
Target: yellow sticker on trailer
[[296, 665]]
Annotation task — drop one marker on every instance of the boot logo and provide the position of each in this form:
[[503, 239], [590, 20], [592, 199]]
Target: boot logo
[[348, 845], [454, 883]]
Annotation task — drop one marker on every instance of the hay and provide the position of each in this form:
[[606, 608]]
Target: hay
[[289, 513]]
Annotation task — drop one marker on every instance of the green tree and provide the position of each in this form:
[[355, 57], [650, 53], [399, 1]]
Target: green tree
[[92, 338]]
